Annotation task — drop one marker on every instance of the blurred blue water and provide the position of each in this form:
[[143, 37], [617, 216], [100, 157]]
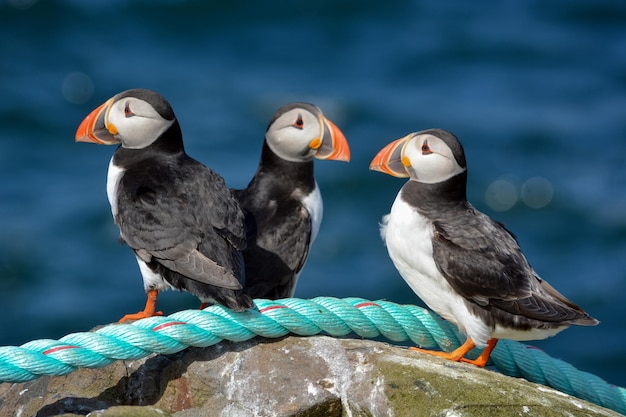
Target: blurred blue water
[[533, 89]]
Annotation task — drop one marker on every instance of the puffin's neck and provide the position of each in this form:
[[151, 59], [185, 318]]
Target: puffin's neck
[[437, 200], [284, 173], [169, 144]]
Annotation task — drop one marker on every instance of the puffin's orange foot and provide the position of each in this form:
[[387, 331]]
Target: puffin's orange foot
[[458, 355], [149, 311], [140, 315], [483, 358], [451, 356]]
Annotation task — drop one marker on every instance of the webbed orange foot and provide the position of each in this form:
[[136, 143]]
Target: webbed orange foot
[[148, 311], [458, 355]]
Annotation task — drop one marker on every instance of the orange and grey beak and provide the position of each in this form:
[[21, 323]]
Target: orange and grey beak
[[390, 161], [95, 129], [333, 144]]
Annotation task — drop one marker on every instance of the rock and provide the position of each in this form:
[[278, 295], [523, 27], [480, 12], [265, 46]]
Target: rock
[[293, 376]]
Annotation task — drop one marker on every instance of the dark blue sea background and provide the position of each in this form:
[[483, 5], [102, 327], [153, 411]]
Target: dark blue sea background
[[535, 90]]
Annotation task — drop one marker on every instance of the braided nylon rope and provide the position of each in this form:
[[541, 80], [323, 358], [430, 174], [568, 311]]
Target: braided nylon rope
[[272, 319]]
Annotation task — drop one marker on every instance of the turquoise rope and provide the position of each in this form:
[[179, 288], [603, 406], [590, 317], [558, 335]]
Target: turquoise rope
[[272, 319]]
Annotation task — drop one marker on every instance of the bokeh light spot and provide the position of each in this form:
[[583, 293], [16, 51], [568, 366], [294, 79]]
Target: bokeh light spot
[[501, 195], [537, 192]]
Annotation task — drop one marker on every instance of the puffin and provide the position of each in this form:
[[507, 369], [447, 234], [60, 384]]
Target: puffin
[[282, 203], [182, 222], [464, 265]]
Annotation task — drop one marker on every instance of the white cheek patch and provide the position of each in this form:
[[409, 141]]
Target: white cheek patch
[[141, 129], [292, 144], [434, 165], [434, 168], [141, 132]]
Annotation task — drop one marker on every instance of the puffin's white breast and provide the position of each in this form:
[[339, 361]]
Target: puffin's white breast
[[408, 236], [114, 175], [315, 206]]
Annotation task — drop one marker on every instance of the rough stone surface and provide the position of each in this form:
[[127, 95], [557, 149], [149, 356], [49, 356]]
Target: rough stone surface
[[294, 376]]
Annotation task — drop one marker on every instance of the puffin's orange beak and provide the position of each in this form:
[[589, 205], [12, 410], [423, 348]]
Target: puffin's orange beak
[[94, 127], [389, 159], [334, 145]]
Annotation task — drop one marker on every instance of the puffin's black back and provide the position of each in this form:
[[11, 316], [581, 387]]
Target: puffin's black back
[[279, 226], [482, 260], [168, 203]]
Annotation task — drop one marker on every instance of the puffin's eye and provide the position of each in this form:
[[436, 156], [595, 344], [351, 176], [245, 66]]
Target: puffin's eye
[[127, 111], [299, 123], [425, 148]]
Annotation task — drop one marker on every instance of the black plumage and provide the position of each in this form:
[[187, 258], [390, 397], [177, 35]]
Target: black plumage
[[279, 225], [282, 202], [470, 269], [483, 262], [179, 218], [182, 222]]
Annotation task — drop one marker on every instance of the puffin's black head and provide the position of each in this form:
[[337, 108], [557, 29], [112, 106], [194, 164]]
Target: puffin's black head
[[135, 118], [430, 156], [156, 100], [299, 132], [435, 162]]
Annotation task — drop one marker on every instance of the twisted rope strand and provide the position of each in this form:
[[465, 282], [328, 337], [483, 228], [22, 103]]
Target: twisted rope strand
[[273, 319]]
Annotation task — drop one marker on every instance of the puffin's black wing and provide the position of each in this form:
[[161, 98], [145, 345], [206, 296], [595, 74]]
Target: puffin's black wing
[[482, 261], [279, 236], [183, 216], [292, 234]]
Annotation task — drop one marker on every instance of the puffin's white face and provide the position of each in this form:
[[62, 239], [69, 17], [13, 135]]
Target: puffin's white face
[[423, 156], [295, 135], [135, 123], [429, 159]]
